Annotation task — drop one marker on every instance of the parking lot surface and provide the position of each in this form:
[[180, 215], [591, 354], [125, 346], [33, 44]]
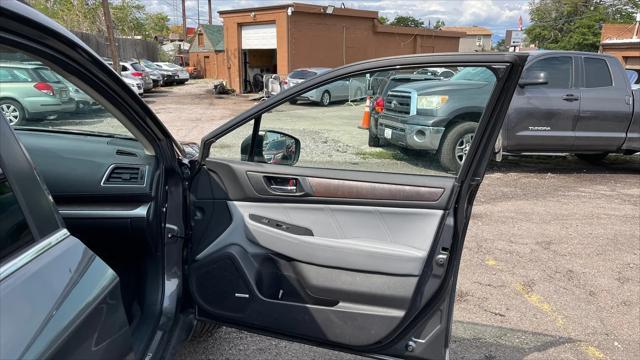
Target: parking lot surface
[[551, 265]]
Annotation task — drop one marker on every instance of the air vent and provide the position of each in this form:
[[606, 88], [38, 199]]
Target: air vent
[[125, 175], [121, 152]]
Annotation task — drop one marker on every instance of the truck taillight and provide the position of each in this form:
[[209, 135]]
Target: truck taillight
[[136, 74], [45, 88], [378, 105]]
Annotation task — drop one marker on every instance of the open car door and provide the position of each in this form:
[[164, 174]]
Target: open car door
[[300, 230]]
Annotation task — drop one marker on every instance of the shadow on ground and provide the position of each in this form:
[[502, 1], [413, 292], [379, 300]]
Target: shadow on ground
[[470, 341]]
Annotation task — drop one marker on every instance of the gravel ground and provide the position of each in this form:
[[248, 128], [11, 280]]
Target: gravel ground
[[551, 266]]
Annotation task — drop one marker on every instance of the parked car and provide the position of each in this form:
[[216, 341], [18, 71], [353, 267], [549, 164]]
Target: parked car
[[134, 84], [300, 75], [147, 243], [439, 72], [31, 93], [134, 70], [590, 115], [182, 74], [350, 89], [83, 101], [169, 76]]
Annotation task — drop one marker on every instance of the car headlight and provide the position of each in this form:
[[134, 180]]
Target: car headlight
[[432, 101]]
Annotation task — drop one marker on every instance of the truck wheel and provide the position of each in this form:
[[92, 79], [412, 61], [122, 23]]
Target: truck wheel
[[592, 158], [455, 146], [13, 112]]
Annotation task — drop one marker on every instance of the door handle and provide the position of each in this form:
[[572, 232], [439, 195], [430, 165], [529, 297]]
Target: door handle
[[284, 189], [282, 185], [570, 97]]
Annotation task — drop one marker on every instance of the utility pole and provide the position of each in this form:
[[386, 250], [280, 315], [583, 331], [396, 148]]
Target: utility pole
[[115, 58], [210, 14], [184, 21]]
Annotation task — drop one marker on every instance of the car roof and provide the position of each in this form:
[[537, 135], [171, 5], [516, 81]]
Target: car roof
[[16, 64], [538, 53], [314, 69]]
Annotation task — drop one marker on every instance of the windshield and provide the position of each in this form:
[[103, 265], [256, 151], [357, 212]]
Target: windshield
[[302, 74], [475, 74], [47, 75]]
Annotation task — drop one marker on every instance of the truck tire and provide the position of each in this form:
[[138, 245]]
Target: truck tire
[[375, 141], [455, 145], [592, 158]]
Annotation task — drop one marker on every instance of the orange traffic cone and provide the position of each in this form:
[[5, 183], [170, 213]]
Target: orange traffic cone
[[366, 117]]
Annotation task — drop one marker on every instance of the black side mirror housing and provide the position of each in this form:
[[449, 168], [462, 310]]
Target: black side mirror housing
[[271, 147], [533, 78]]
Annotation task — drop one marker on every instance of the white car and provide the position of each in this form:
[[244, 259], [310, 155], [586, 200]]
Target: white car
[[183, 75], [136, 85]]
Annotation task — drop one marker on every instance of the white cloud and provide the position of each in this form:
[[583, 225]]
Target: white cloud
[[497, 15]]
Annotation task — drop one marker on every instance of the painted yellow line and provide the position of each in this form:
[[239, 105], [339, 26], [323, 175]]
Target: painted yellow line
[[593, 352], [491, 262], [537, 301]]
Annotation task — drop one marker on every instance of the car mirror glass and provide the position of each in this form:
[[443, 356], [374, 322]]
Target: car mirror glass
[[271, 147]]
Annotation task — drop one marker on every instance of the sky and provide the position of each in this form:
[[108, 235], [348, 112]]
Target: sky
[[497, 15]]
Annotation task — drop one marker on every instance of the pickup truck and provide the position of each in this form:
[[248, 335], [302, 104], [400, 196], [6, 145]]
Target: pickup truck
[[566, 102]]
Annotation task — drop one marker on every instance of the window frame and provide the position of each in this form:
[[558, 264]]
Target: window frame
[[44, 222], [584, 73]]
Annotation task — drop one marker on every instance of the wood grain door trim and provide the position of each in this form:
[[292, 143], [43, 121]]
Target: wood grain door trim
[[346, 189]]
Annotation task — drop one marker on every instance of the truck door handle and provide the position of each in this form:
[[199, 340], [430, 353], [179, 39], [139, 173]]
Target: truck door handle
[[570, 97], [284, 189]]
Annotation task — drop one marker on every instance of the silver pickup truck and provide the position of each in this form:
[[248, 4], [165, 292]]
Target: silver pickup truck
[[566, 102]]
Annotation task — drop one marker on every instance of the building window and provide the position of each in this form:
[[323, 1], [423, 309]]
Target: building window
[[478, 40], [200, 40]]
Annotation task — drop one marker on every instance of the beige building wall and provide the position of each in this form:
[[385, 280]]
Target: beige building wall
[[470, 43]]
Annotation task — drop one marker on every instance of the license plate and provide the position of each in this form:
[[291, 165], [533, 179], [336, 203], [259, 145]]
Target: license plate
[[387, 133]]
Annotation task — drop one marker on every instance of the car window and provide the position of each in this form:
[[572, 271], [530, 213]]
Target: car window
[[14, 230], [474, 74], [597, 73], [418, 126], [47, 75], [137, 67], [559, 71], [8, 74], [43, 99], [124, 67], [302, 74]]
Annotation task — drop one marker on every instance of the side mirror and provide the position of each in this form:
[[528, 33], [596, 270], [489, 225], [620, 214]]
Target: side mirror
[[272, 147], [533, 78]]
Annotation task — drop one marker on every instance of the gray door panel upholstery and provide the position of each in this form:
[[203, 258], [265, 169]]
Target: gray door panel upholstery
[[383, 240]]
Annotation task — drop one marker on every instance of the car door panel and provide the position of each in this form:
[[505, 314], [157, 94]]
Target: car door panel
[[354, 260], [59, 300]]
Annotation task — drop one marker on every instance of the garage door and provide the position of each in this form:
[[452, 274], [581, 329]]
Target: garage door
[[261, 36]]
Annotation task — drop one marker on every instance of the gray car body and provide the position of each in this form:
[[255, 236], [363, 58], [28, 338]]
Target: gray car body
[[602, 120]]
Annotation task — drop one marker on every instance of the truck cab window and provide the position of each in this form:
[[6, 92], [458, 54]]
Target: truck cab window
[[597, 73], [559, 71]]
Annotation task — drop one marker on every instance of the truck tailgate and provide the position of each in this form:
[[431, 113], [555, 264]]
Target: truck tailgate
[[633, 134]]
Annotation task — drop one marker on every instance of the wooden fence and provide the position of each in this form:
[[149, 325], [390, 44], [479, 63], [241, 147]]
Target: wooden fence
[[127, 48]]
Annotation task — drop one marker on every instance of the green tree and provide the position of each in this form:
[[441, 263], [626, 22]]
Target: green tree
[[500, 46], [129, 18], [439, 24], [407, 21], [575, 24], [80, 15], [157, 24], [383, 19]]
